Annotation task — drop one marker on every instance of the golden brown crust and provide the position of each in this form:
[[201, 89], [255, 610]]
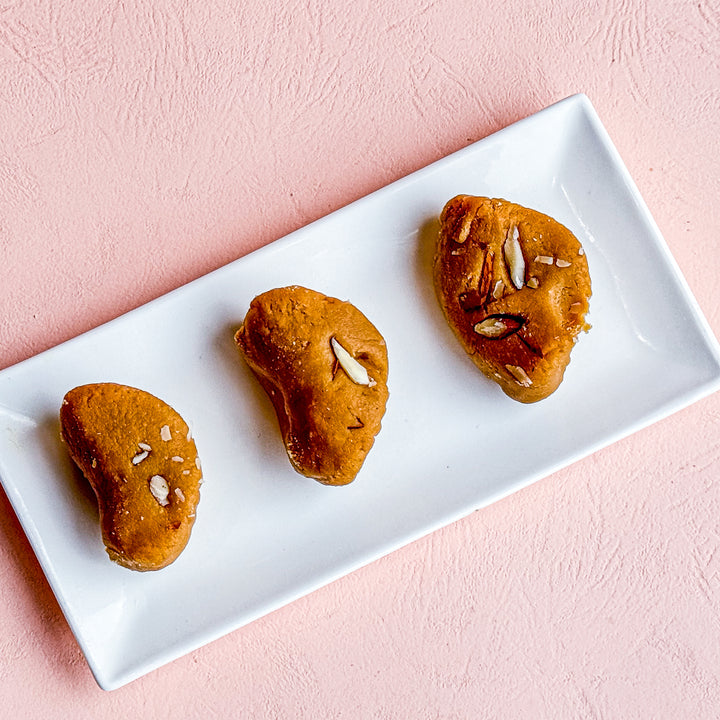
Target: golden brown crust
[[520, 331], [131, 446], [328, 422]]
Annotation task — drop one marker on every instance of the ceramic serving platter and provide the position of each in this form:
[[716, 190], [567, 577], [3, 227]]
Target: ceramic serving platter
[[265, 535]]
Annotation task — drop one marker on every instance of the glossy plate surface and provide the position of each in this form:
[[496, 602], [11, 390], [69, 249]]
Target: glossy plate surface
[[449, 445]]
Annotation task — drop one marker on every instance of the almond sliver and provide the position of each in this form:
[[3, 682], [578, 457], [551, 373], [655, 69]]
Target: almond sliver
[[514, 257], [354, 370]]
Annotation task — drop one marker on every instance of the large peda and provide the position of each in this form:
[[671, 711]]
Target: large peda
[[324, 366], [140, 460], [514, 286]]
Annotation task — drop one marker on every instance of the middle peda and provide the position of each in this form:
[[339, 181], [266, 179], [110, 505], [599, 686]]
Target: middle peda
[[324, 366]]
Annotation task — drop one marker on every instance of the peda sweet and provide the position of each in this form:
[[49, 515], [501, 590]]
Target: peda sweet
[[514, 286], [324, 366], [140, 460]]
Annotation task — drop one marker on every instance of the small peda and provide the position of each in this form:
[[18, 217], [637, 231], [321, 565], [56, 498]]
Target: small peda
[[137, 454]]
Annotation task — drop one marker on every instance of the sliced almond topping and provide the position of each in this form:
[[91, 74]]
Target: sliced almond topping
[[465, 229], [514, 257], [545, 259], [176, 458], [498, 290], [355, 371], [562, 263], [533, 283], [581, 251], [490, 327], [189, 435], [499, 326], [140, 457], [144, 446], [165, 433], [197, 463], [519, 374], [159, 489], [180, 494]]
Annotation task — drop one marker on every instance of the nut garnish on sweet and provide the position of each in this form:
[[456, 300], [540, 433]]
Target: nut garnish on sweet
[[159, 489], [514, 257], [520, 375], [499, 326], [355, 371], [464, 230], [137, 459]]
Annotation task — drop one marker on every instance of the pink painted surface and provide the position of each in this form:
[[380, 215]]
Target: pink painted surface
[[146, 143]]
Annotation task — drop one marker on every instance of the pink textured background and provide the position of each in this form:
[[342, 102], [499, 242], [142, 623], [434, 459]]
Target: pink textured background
[[146, 142]]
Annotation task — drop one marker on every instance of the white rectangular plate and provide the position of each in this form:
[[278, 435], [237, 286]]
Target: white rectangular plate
[[264, 535]]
